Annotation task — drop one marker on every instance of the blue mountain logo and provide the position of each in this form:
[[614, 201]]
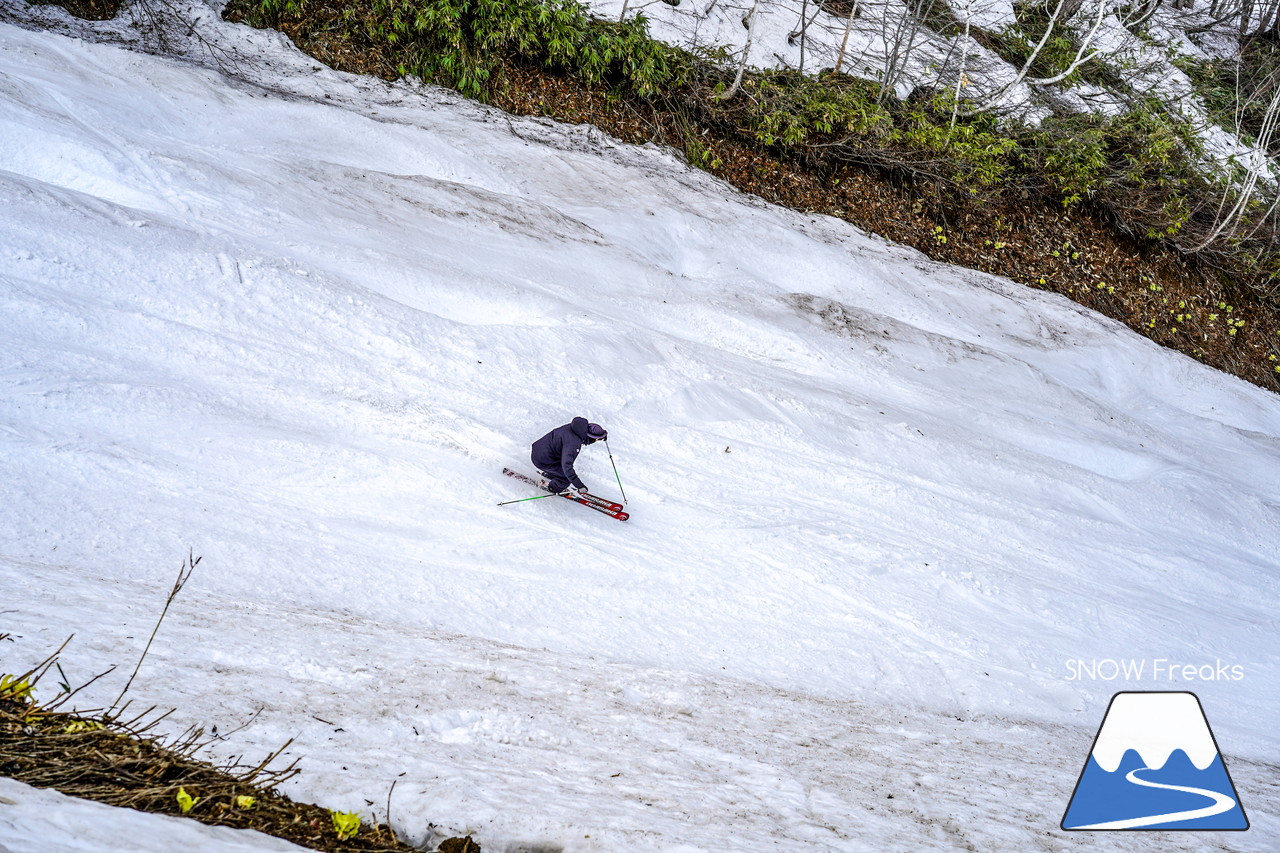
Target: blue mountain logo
[[1155, 765]]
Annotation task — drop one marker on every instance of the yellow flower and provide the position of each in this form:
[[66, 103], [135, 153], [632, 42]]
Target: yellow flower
[[186, 801], [346, 824], [82, 726], [12, 688]]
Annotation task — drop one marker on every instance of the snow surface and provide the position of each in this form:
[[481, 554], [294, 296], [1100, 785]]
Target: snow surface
[[298, 321], [39, 821]]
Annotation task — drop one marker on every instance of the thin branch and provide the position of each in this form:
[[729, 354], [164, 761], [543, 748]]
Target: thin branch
[[56, 705], [184, 574], [390, 828], [37, 672], [746, 54], [253, 774]]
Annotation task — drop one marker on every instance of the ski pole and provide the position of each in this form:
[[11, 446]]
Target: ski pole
[[615, 470], [534, 498]]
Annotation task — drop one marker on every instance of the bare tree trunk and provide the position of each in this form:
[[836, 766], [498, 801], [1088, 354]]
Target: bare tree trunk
[[1070, 8], [899, 53], [746, 54], [1246, 190], [1270, 19], [804, 25], [1146, 9], [844, 42], [1246, 15], [1083, 55], [964, 56]]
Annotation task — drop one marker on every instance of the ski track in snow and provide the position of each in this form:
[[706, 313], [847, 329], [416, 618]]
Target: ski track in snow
[[299, 321]]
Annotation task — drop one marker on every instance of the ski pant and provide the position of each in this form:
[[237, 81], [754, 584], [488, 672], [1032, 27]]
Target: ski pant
[[556, 479]]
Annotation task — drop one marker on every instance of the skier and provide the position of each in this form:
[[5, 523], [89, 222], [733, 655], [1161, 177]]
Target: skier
[[555, 452]]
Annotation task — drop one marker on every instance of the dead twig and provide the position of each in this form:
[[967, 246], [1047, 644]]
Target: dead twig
[[184, 574]]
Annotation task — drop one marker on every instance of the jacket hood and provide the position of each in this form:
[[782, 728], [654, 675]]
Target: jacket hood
[[579, 427]]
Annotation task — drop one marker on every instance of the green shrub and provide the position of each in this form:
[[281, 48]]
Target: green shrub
[[1070, 154], [790, 109], [975, 153], [464, 44]]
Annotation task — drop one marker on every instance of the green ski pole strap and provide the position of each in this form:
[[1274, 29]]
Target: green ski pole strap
[[534, 498]]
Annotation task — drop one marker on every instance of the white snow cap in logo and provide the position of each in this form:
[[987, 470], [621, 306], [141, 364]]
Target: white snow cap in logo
[[1155, 724]]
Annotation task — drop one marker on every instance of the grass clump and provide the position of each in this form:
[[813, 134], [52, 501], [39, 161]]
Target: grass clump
[[121, 762], [111, 757]]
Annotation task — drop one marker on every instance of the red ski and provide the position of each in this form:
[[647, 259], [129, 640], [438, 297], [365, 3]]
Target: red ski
[[609, 508]]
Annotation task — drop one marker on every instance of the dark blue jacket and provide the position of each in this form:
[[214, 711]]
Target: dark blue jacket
[[558, 449]]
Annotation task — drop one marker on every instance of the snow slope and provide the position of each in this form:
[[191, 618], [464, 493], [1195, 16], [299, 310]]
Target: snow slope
[[37, 821], [298, 322]]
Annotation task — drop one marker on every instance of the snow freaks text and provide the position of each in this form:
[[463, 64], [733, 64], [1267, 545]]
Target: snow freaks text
[[1155, 669]]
